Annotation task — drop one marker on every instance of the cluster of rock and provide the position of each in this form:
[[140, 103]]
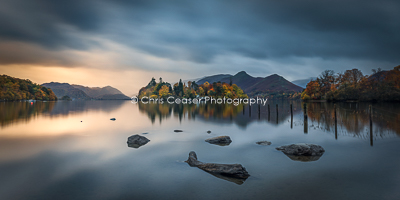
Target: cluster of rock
[[236, 172]]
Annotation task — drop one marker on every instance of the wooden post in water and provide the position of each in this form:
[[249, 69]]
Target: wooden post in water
[[371, 139], [249, 110], [334, 108], [269, 112], [305, 119], [291, 116], [277, 114]]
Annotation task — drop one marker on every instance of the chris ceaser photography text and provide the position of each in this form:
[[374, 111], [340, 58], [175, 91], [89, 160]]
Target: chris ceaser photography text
[[206, 99]]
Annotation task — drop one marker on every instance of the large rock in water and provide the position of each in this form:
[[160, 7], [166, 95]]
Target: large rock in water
[[302, 149], [230, 170], [137, 141], [221, 140]]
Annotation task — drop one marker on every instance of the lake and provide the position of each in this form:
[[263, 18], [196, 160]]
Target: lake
[[72, 150]]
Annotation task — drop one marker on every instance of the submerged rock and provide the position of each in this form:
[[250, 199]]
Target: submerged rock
[[137, 141], [113, 119], [302, 149], [220, 140], [265, 143], [176, 131], [303, 158], [231, 172]]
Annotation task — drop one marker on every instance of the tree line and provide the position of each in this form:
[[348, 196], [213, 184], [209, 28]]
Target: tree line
[[191, 90], [353, 85], [15, 89]]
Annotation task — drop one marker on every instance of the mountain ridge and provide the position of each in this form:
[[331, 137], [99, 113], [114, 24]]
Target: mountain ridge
[[255, 85], [80, 92]]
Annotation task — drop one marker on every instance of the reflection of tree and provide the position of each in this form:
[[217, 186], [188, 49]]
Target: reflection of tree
[[154, 110], [206, 111], [221, 113], [13, 111], [353, 118], [16, 111]]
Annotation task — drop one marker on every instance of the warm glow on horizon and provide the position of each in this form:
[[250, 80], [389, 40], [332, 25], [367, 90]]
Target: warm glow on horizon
[[127, 81]]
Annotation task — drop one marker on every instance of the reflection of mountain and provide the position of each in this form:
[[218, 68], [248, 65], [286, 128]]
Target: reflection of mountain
[[15, 112], [352, 118], [221, 114], [66, 107]]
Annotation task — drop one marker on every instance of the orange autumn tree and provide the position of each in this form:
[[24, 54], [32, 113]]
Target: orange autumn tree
[[353, 85]]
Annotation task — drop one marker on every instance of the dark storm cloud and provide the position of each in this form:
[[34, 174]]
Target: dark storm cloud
[[198, 31], [46, 22]]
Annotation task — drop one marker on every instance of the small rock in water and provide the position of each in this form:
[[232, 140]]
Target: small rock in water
[[81, 121], [208, 131], [220, 140], [145, 133], [178, 131], [302, 149], [265, 143], [112, 119], [136, 141]]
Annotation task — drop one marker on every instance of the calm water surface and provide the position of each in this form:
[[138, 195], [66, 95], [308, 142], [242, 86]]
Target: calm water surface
[[72, 150]]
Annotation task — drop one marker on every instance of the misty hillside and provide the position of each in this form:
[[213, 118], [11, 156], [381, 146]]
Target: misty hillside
[[65, 89], [79, 92]]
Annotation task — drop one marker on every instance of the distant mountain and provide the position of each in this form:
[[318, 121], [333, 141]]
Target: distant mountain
[[85, 93], [303, 82], [104, 92], [65, 89], [254, 85], [214, 78]]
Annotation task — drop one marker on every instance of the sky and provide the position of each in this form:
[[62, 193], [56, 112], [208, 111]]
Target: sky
[[125, 43]]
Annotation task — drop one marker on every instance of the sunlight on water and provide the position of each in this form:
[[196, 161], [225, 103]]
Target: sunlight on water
[[72, 150]]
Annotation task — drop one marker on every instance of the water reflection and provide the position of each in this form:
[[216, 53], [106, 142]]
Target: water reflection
[[241, 115], [18, 112], [12, 112], [352, 119], [90, 160]]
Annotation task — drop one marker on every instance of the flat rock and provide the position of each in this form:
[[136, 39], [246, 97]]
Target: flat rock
[[302, 149], [220, 140], [137, 141], [229, 170], [113, 119], [265, 143], [178, 131]]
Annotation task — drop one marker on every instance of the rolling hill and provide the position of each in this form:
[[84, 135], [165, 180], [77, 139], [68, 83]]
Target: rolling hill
[[255, 85], [79, 92]]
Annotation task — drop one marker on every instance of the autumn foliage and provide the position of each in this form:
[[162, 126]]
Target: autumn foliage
[[14, 89], [191, 90], [353, 85]]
